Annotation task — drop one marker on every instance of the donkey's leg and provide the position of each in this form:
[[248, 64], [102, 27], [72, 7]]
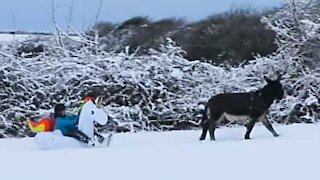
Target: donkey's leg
[[212, 128], [205, 127], [268, 125], [215, 120], [249, 126]]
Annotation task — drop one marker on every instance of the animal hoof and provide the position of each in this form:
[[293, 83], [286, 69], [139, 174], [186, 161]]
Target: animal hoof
[[276, 135], [247, 138], [201, 138]]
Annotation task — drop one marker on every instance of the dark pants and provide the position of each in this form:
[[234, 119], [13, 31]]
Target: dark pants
[[99, 136], [79, 136], [83, 137]]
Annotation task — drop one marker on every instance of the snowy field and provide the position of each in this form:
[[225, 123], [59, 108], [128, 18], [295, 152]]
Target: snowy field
[[12, 37], [178, 155]]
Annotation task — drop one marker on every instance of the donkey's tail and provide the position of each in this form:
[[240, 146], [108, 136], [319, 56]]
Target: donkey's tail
[[204, 118]]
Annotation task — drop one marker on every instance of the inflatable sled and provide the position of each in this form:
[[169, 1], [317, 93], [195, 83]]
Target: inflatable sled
[[48, 138], [44, 125]]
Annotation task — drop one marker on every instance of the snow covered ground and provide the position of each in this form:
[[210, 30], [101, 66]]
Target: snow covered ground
[[173, 155], [14, 37]]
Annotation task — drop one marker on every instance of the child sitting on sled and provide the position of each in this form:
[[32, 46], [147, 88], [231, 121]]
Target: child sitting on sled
[[67, 124], [80, 127]]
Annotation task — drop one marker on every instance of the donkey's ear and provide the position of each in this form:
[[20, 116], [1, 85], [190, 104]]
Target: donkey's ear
[[267, 79]]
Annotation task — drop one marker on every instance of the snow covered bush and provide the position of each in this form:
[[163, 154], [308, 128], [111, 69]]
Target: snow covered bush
[[161, 86], [297, 26]]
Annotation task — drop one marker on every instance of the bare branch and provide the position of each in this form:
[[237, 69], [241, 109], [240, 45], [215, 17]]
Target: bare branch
[[98, 11], [55, 24], [70, 14]]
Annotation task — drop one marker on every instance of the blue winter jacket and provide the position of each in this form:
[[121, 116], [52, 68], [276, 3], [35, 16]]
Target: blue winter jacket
[[67, 124]]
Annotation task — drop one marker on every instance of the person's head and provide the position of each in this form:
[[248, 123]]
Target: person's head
[[59, 110]]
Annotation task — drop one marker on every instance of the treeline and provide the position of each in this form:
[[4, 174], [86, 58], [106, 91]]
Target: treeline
[[231, 37]]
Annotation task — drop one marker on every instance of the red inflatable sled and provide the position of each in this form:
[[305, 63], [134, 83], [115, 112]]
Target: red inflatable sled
[[44, 125]]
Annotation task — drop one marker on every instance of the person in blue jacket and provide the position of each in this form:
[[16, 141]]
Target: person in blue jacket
[[68, 125]]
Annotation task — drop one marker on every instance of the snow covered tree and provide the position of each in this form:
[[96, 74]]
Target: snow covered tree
[[297, 26]]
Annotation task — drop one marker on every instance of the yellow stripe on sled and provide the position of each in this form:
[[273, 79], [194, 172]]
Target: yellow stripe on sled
[[34, 127], [46, 124]]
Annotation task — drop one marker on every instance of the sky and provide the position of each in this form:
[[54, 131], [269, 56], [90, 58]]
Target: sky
[[37, 15]]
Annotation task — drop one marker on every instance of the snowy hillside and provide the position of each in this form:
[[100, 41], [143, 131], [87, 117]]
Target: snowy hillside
[[173, 156], [13, 37]]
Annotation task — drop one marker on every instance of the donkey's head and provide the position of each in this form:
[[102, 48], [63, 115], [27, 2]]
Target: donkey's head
[[274, 88]]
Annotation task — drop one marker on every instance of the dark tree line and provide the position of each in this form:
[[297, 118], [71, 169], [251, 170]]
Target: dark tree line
[[231, 37]]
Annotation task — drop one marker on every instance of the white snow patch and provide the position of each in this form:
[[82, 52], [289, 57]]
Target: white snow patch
[[173, 156], [311, 100], [13, 37], [177, 73]]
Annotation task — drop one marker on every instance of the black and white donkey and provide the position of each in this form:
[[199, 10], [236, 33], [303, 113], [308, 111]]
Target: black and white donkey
[[238, 106]]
